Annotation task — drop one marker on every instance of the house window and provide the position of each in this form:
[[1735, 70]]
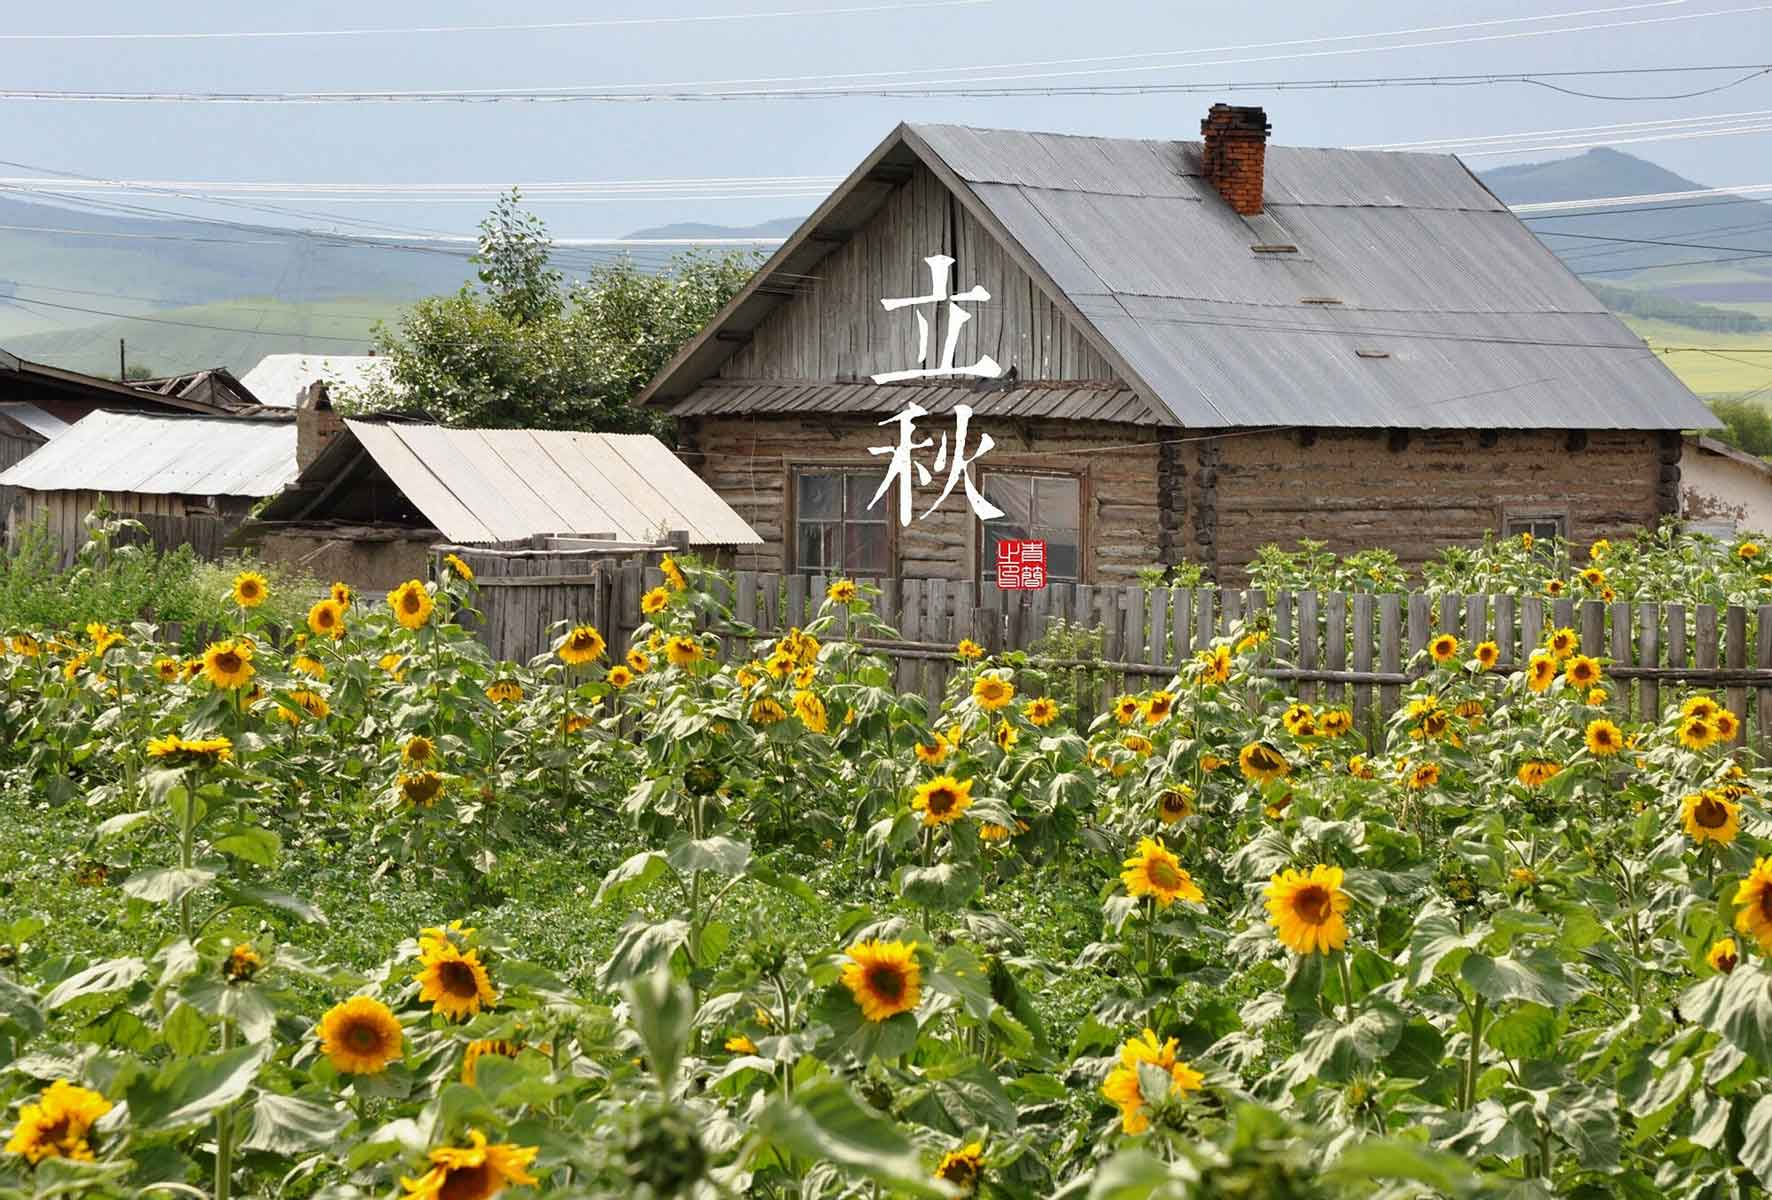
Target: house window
[[835, 532], [1545, 528], [1046, 507]]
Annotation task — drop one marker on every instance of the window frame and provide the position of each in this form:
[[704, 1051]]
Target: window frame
[[1534, 516], [979, 557], [790, 550]]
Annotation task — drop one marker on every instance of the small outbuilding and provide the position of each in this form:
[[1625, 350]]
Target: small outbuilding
[[374, 494], [189, 477], [1723, 490]]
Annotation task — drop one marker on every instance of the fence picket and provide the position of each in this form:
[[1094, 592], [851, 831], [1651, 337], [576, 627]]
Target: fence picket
[[1362, 635], [1307, 643], [1390, 649], [1181, 631], [1763, 660], [1335, 645], [1593, 628], [1504, 629], [1205, 623], [1649, 655], [1735, 658], [1622, 646], [1419, 632]]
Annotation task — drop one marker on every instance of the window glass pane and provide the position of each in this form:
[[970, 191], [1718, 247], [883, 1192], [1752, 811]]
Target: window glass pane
[[862, 486], [1061, 560], [1057, 502], [1014, 494], [819, 497], [817, 546], [865, 553]]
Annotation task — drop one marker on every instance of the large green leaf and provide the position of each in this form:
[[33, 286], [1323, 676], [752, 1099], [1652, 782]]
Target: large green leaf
[[660, 1009], [1756, 1141], [641, 946], [290, 1125], [1590, 1125], [1137, 1175], [256, 896], [1536, 975], [1447, 1174], [109, 976], [257, 846], [1334, 1051], [636, 874], [168, 885], [720, 855], [1527, 1031], [944, 886], [186, 1091], [1738, 1006], [823, 1122]]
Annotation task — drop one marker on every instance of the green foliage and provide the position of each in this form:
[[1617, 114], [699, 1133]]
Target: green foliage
[[1654, 306], [1747, 425], [524, 352]]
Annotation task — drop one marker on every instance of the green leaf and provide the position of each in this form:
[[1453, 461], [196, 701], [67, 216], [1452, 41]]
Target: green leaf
[[168, 885], [1409, 1161], [18, 1009], [1738, 1006], [257, 846], [660, 1010], [187, 1091], [720, 855], [1756, 1141], [185, 1031], [793, 885], [824, 1122], [946, 886], [641, 946], [1537, 975], [1334, 1051], [109, 976], [120, 824], [254, 896], [1590, 1126], [1528, 1031], [290, 1125], [634, 875], [1137, 1175]]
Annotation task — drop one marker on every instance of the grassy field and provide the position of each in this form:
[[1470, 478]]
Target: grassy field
[[1726, 370]]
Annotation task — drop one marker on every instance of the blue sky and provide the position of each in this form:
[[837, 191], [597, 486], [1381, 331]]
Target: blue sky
[[506, 143]]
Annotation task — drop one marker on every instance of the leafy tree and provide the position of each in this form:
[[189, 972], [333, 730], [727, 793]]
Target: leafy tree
[[524, 350], [1746, 425]]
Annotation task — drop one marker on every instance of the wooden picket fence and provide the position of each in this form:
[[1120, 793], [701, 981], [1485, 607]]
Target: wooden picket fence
[[1330, 648]]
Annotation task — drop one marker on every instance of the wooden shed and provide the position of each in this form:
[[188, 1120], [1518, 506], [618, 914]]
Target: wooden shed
[[1179, 349]]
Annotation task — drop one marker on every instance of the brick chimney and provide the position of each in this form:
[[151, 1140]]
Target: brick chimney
[[1234, 154], [315, 423]]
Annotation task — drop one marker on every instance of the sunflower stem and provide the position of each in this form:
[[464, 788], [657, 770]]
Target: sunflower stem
[[224, 1129], [1472, 1065], [1347, 986]]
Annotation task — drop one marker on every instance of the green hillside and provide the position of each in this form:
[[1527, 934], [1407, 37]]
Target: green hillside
[[185, 339]]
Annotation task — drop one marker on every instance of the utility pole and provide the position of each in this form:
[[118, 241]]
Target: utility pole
[[122, 364]]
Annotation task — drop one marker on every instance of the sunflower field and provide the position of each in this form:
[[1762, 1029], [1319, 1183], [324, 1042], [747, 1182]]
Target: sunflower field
[[361, 912]]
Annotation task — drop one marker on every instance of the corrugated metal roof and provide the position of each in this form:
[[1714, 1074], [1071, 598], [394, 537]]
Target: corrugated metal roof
[[278, 378], [772, 396], [1469, 320], [33, 418], [162, 455], [496, 485]]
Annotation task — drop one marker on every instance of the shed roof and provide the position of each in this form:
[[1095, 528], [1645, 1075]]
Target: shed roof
[[497, 485], [278, 378], [156, 454], [1710, 445], [29, 416], [1413, 298]]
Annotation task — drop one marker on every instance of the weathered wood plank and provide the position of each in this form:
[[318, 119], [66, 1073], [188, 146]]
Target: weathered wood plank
[[1735, 658], [1306, 638]]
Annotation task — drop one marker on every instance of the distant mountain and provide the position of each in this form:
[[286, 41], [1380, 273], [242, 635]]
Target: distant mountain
[[780, 227]]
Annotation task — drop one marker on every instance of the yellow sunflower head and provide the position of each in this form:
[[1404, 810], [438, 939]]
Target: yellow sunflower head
[[1555, 587], [942, 800], [1747, 551], [1214, 665], [1536, 772], [1701, 706], [1040, 711], [1604, 739], [1175, 804], [1710, 816], [1137, 743], [361, 1036], [683, 651], [477, 1171], [420, 788], [969, 649], [479, 1048], [1599, 550], [1721, 956], [1335, 722], [341, 594], [1158, 707], [741, 1044], [418, 751], [454, 984], [584, 644], [655, 601], [1526, 540], [1541, 672], [504, 691], [962, 1167], [1696, 733], [1754, 899], [884, 977], [1154, 871], [841, 591], [1593, 577], [1125, 709], [460, 569], [1262, 763], [1728, 725], [1561, 643], [250, 589], [57, 1124], [673, 574], [411, 604], [1443, 648], [1423, 777], [1596, 697], [992, 693], [1006, 736], [168, 669], [228, 664], [1487, 655], [811, 711], [1306, 909], [242, 963], [638, 663], [1123, 1087], [1582, 671], [620, 676]]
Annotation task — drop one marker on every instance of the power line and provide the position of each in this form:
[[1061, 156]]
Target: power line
[[530, 27], [1621, 127], [1610, 201], [1690, 262], [1597, 237]]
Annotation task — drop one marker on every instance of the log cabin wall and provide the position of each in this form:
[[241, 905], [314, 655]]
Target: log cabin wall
[[834, 327], [749, 460]]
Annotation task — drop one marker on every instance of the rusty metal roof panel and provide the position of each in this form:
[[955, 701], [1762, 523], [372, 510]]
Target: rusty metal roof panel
[[162, 454]]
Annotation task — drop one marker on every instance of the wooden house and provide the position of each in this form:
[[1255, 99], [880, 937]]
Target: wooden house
[[1189, 349]]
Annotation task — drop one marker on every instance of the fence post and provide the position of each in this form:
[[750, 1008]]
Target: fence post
[[1763, 660], [1593, 628], [1362, 635], [1649, 655], [1390, 658], [1181, 632], [1735, 658], [1335, 645], [1307, 642], [1505, 630], [1621, 651]]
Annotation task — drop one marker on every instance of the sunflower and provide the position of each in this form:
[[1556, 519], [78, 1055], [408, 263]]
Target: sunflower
[[103, 638], [1710, 817], [1125, 709], [942, 799], [168, 669], [1252, 641], [1604, 738], [462, 571], [638, 663], [360, 1036], [811, 711], [57, 1124], [420, 788], [1360, 768], [1541, 671], [1554, 587], [1754, 897], [1593, 577], [655, 601], [1444, 648], [780, 664], [412, 604], [673, 574], [242, 963], [250, 589], [1335, 722], [479, 1048], [1214, 665], [1526, 540], [1561, 643], [884, 977], [1599, 550], [1262, 763], [1487, 655], [1727, 725], [312, 703], [1306, 909], [228, 665], [307, 665], [327, 618], [1696, 733], [1005, 736], [1747, 551], [1423, 777], [391, 664], [1155, 872], [1158, 707], [1536, 772], [740, 1044], [1175, 804], [454, 984], [1700, 706], [934, 751], [476, 1172], [1123, 1087], [969, 649], [504, 691], [581, 646], [1299, 720], [619, 676], [1041, 711], [341, 594], [962, 1167], [841, 591], [805, 675], [767, 711], [1436, 724], [72, 668], [683, 651], [992, 693], [1582, 671], [573, 723], [179, 751], [1211, 762], [1722, 957], [1596, 697], [25, 646], [418, 751]]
